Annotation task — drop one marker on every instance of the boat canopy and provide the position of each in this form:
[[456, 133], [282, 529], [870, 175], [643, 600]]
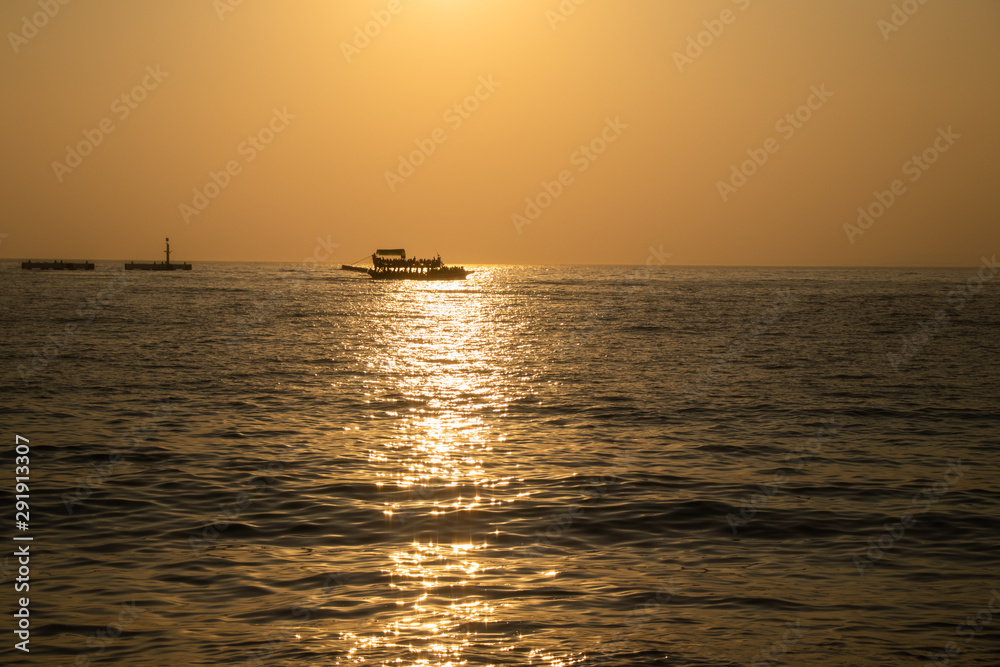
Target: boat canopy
[[392, 252]]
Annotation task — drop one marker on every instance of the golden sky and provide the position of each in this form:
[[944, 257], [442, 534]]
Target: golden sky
[[744, 132]]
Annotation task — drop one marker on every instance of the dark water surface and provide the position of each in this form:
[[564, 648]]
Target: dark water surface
[[248, 464]]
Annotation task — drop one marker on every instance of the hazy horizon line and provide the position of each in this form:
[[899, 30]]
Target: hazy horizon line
[[337, 265]]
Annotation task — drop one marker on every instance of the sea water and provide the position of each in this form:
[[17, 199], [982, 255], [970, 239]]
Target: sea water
[[264, 464]]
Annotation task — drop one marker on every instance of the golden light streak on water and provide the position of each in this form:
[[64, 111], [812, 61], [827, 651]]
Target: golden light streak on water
[[445, 595], [438, 448]]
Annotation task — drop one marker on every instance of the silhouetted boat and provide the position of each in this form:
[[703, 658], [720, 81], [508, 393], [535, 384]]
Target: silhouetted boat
[[158, 266], [58, 265], [392, 264]]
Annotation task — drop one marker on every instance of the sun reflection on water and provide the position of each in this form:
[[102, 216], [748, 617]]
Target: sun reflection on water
[[437, 382]]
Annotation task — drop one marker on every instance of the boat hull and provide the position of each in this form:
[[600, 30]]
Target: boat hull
[[430, 274]]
